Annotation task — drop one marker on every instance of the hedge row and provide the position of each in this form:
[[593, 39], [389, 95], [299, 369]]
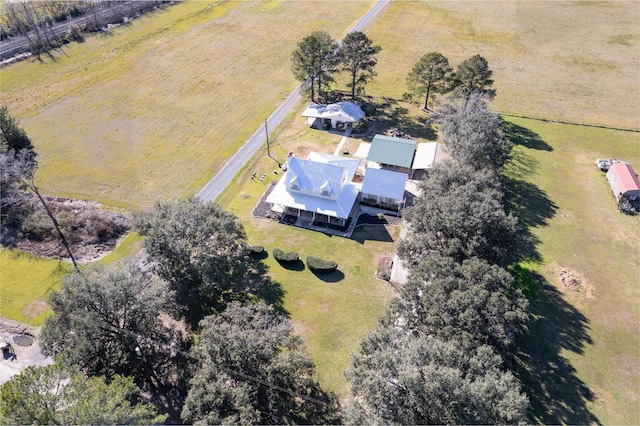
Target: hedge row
[[313, 263]]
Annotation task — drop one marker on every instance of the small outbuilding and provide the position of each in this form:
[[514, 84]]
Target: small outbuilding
[[341, 112], [624, 182]]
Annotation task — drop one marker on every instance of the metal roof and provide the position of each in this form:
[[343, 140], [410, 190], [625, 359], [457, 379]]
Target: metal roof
[[394, 151], [315, 177], [425, 155], [623, 179], [350, 164], [341, 111], [340, 207], [384, 183]]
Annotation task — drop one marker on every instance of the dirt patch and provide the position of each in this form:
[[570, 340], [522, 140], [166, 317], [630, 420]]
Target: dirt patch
[[90, 230], [35, 308], [569, 279]]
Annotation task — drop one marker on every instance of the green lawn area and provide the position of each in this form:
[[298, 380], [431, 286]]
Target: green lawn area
[[26, 282], [580, 363]]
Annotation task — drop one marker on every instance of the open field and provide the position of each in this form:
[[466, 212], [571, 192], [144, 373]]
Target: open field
[[580, 363], [571, 61], [152, 110]]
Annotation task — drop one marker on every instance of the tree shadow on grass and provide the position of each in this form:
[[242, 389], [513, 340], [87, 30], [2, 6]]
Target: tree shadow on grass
[[330, 277], [522, 136], [257, 282], [365, 232], [556, 394], [399, 117]]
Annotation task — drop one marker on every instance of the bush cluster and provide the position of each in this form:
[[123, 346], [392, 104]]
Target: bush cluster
[[281, 256], [316, 264]]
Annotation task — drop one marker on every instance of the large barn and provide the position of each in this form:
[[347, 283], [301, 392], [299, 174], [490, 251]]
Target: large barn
[[624, 182]]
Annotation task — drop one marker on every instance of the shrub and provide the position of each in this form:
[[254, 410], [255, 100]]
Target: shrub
[[360, 126], [281, 256], [255, 249], [316, 264]]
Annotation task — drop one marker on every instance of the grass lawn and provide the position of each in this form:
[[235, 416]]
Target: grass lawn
[[154, 109], [25, 284], [572, 61], [27, 280], [580, 363]]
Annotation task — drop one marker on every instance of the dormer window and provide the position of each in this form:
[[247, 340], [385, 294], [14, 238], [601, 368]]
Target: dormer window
[[325, 190], [294, 184]]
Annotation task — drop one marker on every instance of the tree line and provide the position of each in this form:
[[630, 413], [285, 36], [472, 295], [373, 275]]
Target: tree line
[[317, 59], [35, 20], [438, 356]]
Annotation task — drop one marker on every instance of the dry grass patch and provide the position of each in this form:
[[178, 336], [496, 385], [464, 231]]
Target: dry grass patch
[[152, 110], [572, 61]]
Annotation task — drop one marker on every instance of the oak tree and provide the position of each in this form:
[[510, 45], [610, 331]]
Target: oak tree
[[251, 369], [198, 248], [100, 317], [459, 213], [60, 394], [400, 377]]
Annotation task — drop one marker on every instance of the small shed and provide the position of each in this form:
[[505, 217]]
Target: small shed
[[624, 182], [392, 153], [343, 112]]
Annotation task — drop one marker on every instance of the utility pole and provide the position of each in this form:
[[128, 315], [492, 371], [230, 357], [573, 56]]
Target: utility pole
[[266, 129]]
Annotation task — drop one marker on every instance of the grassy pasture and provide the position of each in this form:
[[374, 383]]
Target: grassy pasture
[[580, 362], [571, 61], [333, 313], [153, 110]]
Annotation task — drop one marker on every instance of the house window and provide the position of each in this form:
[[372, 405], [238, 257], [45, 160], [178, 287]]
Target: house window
[[295, 186]]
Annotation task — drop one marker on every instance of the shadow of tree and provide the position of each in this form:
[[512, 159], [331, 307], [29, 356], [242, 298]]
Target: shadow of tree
[[530, 204], [556, 394], [398, 116], [330, 277], [522, 136], [533, 208], [257, 282]]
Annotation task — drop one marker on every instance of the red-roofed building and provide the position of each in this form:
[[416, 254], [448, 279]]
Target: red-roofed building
[[624, 182]]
